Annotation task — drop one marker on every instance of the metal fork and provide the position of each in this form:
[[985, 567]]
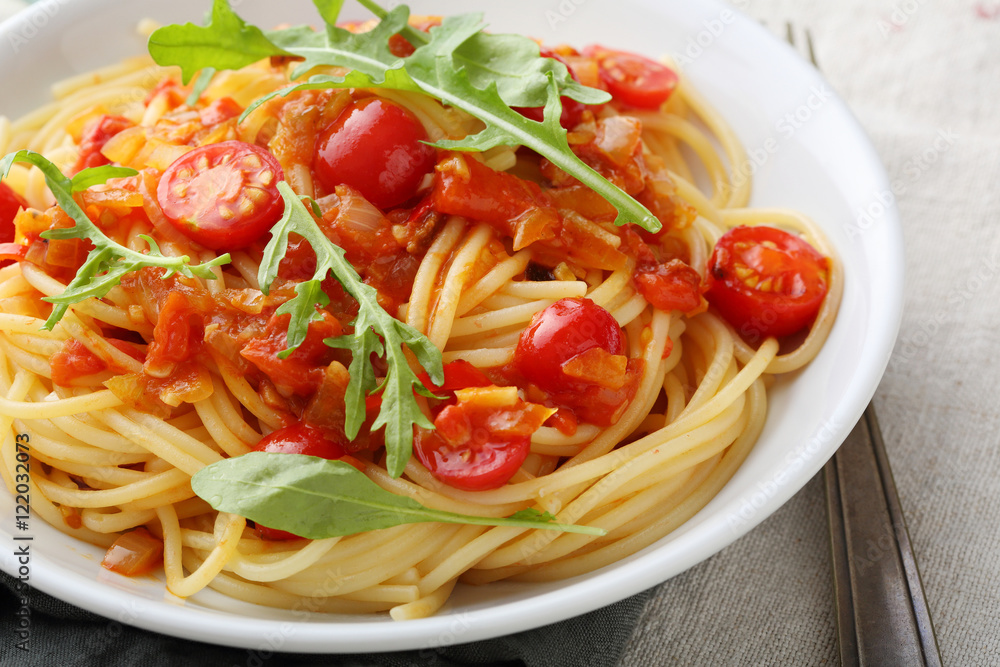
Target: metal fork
[[882, 614]]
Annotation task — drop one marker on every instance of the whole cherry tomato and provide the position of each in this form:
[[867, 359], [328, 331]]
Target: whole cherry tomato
[[375, 147], [557, 334]]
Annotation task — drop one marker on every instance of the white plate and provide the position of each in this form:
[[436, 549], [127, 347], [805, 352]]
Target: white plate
[[808, 152]]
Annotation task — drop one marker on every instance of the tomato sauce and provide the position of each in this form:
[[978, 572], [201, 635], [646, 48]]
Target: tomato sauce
[[381, 193]]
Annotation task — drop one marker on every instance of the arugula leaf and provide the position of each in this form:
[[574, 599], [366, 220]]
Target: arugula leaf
[[97, 176], [375, 333], [200, 84], [514, 62], [227, 42], [365, 54], [316, 498], [108, 261], [457, 63]]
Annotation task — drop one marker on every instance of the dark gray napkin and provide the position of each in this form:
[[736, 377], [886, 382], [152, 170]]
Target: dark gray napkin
[[64, 635]]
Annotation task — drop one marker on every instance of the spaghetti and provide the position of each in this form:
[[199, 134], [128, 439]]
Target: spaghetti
[[130, 395]]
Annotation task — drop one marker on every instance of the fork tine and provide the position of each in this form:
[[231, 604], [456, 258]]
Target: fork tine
[[807, 50], [882, 615]]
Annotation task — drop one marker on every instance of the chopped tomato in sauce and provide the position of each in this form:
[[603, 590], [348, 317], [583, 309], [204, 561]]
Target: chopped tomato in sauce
[[95, 136], [217, 187], [74, 360], [219, 111], [134, 553], [515, 206], [177, 336], [301, 372]]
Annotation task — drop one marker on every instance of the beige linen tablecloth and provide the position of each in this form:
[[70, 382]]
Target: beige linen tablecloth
[[923, 77]]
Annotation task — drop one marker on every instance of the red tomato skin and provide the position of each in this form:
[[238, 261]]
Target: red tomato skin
[[178, 332], [173, 90], [757, 314], [632, 79], [670, 286], [375, 147], [560, 332], [188, 188], [458, 374], [12, 252], [219, 111], [74, 360], [299, 439], [483, 462], [301, 372], [473, 190], [10, 204], [95, 136]]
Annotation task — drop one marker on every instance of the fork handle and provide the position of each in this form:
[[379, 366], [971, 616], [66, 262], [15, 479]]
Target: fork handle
[[882, 615]]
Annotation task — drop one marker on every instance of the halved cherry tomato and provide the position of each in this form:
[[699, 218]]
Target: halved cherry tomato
[[766, 282], [633, 79], [559, 333], [10, 204], [299, 439], [465, 452], [375, 147], [224, 195]]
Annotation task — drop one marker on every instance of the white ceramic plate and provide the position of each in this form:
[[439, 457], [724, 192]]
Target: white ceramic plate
[[807, 152]]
